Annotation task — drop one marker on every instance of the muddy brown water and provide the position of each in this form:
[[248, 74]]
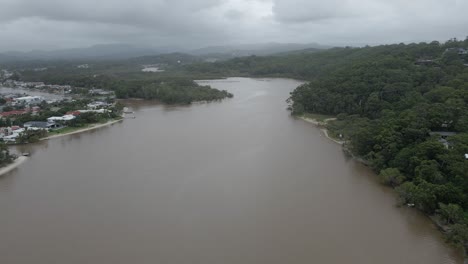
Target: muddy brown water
[[237, 181]]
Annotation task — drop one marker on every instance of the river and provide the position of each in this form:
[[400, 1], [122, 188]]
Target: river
[[236, 181]]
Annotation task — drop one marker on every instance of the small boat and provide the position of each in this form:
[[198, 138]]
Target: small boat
[[127, 110], [26, 154]]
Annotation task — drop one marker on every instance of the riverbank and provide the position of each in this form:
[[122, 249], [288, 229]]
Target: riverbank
[[322, 126], [321, 123], [16, 163], [21, 159], [92, 127]]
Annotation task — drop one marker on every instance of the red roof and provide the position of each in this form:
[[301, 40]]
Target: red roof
[[75, 113], [14, 112]]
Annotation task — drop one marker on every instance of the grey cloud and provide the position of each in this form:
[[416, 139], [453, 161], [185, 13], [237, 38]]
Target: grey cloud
[[48, 24], [234, 14], [300, 11]]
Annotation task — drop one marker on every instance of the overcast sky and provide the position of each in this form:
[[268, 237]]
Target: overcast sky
[[53, 24]]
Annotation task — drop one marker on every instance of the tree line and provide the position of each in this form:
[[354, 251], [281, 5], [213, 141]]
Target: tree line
[[394, 106]]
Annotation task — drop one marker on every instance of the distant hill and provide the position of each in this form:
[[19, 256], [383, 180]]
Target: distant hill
[[262, 49], [96, 52], [6, 58], [168, 58], [126, 51]]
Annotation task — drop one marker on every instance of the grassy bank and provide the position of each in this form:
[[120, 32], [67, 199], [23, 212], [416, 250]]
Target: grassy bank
[[322, 122], [74, 130]]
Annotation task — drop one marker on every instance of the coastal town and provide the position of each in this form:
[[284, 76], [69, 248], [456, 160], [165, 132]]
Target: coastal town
[[30, 111]]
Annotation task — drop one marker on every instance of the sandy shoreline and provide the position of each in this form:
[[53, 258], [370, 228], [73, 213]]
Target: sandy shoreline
[[21, 159], [84, 129], [321, 126], [17, 162]]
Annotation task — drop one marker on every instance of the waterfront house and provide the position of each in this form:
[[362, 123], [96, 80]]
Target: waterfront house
[[11, 138], [41, 125], [97, 104], [100, 92], [60, 118], [99, 111]]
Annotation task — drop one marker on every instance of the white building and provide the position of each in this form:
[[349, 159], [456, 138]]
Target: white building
[[29, 100], [99, 111], [11, 138], [60, 118], [98, 104]]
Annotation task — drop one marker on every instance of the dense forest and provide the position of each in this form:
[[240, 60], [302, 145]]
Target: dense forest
[[403, 109], [167, 89]]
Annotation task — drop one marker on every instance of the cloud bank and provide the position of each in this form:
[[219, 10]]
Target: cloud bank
[[52, 24]]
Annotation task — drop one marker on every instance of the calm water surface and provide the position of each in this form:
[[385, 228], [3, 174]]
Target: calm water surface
[[237, 181]]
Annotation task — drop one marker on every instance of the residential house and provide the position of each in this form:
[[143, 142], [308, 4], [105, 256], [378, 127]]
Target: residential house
[[13, 113], [41, 125], [29, 100], [60, 118], [74, 113], [11, 138], [99, 111], [97, 104], [100, 92]]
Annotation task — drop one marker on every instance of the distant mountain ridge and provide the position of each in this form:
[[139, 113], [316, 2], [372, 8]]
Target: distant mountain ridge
[[261, 49], [102, 51], [126, 51]]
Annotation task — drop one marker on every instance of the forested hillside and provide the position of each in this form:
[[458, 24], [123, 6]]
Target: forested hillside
[[404, 109]]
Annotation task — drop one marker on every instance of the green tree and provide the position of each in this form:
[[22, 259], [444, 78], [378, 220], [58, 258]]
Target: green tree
[[458, 234], [429, 171], [391, 176], [408, 192], [5, 156], [451, 213]]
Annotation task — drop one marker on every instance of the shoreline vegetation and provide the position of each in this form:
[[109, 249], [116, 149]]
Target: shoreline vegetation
[[81, 130], [168, 89], [21, 159], [13, 165], [403, 110], [321, 123]]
